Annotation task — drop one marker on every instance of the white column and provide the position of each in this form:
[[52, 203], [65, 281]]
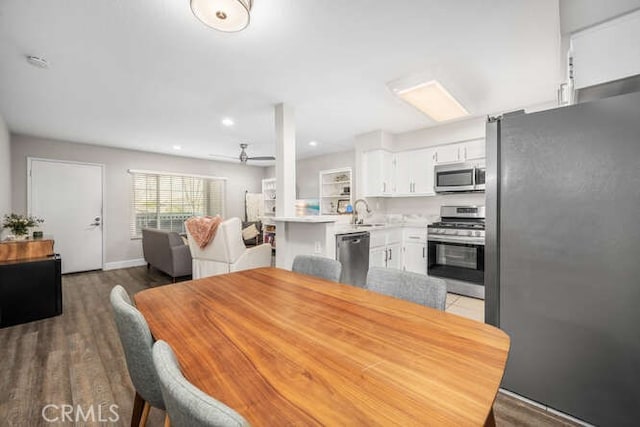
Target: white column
[[285, 161]]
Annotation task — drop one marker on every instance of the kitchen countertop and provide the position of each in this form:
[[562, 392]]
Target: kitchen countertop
[[351, 228]]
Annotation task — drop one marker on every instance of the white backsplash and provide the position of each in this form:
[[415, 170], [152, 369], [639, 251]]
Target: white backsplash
[[427, 207]]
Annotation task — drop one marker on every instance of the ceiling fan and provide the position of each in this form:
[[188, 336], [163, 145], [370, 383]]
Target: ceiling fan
[[244, 157]]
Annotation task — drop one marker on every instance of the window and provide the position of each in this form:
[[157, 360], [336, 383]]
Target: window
[[165, 201]]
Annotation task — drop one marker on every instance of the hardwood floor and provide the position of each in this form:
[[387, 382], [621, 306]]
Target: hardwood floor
[[76, 359]]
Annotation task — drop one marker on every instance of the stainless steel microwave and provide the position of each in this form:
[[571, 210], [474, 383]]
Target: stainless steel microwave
[[468, 176]]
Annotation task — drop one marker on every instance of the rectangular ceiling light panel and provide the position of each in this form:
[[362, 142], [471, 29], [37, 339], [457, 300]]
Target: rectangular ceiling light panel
[[433, 100]]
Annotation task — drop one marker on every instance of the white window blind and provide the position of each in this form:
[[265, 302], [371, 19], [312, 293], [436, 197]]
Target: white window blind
[[165, 201]]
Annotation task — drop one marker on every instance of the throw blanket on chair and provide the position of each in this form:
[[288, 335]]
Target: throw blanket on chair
[[203, 228]]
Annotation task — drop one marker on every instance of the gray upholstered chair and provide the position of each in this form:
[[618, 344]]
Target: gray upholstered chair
[[137, 343], [166, 251], [187, 405], [419, 288], [325, 268]]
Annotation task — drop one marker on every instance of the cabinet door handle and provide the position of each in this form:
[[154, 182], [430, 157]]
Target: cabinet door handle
[[423, 252], [384, 187], [435, 156], [386, 256], [390, 254], [465, 153]]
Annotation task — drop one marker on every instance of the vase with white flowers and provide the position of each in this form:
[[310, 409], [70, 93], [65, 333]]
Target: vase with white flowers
[[20, 224]]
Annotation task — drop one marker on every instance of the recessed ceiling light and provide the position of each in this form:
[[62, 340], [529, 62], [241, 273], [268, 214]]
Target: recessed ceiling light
[[177, 147], [37, 62], [313, 143], [433, 100], [227, 122]]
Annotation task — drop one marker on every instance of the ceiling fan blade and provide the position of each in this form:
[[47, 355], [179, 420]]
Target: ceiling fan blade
[[262, 158]]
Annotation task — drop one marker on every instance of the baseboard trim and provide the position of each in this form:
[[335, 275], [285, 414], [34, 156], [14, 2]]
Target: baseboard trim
[[124, 264], [546, 408]]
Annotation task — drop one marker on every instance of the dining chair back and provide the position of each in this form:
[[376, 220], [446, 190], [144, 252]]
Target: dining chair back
[[187, 405], [418, 288], [325, 268], [137, 343]]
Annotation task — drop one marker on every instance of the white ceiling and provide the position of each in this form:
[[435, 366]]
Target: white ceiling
[[148, 75]]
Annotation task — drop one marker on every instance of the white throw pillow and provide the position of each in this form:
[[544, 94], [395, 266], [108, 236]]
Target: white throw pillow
[[250, 232]]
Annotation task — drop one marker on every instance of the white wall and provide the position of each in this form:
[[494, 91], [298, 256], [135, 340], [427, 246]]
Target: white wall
[[5, 171], [119, 246]]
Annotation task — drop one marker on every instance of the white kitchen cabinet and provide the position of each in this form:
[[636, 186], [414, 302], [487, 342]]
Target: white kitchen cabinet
[[474, 150], [460, 152], [415, 250], [606, 52], [451, 153], [394, 256], [378, 257], [378, 173], [414, 173], [386, 248]]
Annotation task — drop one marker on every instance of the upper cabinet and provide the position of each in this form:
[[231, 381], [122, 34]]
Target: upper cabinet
[[606, 52], [378, 173], [414, 172], [410, 173], [460, 152], [474, 150]]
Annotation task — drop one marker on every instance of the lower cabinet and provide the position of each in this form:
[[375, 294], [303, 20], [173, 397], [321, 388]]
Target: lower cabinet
[[415, 250], [378, 257], [394, 256], [386, 248]]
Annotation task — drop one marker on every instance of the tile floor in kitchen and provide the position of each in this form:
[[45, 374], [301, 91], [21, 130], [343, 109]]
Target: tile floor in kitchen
[[472, 308]]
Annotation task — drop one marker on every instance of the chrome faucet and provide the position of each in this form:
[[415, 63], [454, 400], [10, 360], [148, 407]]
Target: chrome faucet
[[355, 219]]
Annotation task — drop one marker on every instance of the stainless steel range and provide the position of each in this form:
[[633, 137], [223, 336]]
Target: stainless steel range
[[456, 249]]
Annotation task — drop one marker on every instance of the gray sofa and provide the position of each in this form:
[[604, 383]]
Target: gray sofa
[[166, 251]]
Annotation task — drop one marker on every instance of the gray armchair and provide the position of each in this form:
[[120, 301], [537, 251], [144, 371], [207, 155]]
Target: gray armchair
[[166, 251]]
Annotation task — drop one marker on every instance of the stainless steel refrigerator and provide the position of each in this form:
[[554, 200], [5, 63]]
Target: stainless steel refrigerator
[[562, 257]]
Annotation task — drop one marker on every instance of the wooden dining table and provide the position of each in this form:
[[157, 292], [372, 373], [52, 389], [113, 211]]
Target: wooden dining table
[[283, 348]]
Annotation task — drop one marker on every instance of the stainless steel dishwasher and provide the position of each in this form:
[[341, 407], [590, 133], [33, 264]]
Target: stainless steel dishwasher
[[352, 250]]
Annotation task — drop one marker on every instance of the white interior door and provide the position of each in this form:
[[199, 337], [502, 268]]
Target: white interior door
[[68, 196]]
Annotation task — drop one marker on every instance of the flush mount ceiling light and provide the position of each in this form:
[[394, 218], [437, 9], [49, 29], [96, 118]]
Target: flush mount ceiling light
[[313, 143], [223, 15], [227, 122], [433, 100]]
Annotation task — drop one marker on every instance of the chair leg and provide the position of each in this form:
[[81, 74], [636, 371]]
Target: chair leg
[[167, 422], [145, 414], [138, 404]]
